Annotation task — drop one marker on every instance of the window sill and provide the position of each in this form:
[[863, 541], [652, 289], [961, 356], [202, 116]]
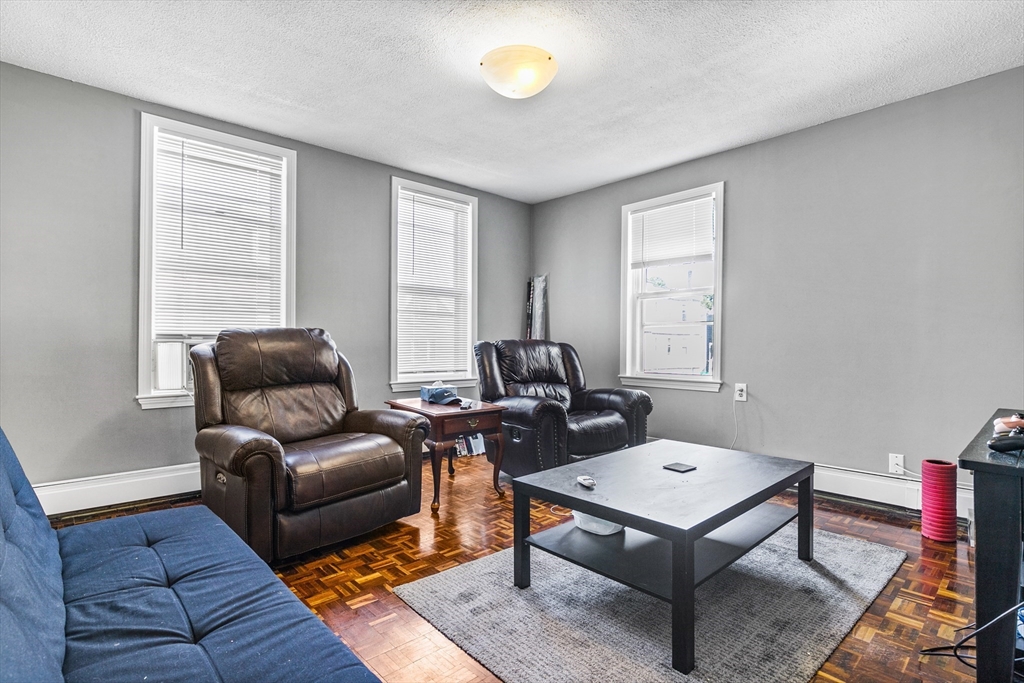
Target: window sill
[[176, 400], [665, 383], [414, 385]]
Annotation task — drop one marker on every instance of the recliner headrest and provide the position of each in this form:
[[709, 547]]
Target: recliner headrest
[[524, 361], [248, 359]]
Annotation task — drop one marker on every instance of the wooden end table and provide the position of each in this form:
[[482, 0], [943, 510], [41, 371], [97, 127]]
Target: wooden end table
[[447, 422]]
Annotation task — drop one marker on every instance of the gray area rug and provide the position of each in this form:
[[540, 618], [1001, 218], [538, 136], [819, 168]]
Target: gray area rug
[[768, 617]]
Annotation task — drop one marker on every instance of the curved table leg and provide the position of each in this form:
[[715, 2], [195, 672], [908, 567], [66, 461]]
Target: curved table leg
[[437, 450], [435, 468], [499, 439]]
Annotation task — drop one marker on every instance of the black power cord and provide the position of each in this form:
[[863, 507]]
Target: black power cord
[[954, 649]]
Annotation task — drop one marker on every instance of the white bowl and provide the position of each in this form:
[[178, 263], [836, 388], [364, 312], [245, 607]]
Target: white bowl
[[596, 525]]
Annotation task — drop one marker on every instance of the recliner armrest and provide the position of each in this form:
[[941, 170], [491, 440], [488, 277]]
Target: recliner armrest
[[407, 429], [620, 400], [527, 410], [535, 429], [229, 446], [633, 405]]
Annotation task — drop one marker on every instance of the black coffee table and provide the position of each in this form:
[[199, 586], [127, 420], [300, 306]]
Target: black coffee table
[[681, 529]]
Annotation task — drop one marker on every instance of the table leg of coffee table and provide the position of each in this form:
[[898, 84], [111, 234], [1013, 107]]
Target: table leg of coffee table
[[520, 530], [683, 658], [805, 519]]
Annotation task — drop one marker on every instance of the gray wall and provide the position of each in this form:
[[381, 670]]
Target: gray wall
[[69, 252], [874, 294]]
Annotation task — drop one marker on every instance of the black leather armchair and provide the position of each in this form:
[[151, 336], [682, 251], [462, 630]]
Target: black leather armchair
[[551, 418]]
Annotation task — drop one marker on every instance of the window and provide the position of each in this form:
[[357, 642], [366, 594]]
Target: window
[[671, 286], [217, 219], [433, 286]]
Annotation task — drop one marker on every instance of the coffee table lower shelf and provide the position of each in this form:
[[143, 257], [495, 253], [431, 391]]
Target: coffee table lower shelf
[[644, 562]]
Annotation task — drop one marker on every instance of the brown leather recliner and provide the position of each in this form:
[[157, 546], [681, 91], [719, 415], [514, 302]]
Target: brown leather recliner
[[550, 417], [287, 458]]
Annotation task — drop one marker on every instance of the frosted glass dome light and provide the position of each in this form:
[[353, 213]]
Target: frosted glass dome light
[[518, 71]]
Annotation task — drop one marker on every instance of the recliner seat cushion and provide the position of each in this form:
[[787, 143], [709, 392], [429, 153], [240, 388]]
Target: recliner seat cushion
[[590, 432], [339, 466], [175, 595]]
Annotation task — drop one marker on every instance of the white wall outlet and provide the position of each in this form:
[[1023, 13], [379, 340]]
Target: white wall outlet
[[896, 463], [740, 393]]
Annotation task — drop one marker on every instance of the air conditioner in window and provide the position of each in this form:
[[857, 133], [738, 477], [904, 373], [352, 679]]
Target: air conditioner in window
[[172, 370]]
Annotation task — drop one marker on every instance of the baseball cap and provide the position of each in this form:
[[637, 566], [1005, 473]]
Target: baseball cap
[[443, 396]]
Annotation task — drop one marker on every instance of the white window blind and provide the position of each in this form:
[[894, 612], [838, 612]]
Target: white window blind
[[434, 285], [216, 246], [671, 285], [683, 232], [218, 237]]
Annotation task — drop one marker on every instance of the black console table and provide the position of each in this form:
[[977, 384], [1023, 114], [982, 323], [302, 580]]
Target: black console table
[[998, 498]]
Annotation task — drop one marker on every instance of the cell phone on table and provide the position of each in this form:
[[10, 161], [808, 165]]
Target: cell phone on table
[[679, 467]]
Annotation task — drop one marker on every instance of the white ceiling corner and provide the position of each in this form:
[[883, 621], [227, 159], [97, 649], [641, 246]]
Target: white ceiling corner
[[641, 84]]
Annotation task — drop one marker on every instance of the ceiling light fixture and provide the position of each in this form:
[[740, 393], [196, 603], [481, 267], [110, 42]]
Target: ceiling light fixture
[[518, 71]]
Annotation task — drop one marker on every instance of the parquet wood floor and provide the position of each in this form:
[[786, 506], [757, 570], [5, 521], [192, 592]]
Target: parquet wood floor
[[349, 585]]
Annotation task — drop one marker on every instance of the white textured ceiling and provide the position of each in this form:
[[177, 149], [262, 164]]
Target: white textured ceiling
[[641, 84]]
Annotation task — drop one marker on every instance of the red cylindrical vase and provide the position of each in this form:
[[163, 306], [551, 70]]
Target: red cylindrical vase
[[938, 500]]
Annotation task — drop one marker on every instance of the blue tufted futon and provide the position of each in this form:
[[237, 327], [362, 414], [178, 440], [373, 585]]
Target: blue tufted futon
[[172, 595]]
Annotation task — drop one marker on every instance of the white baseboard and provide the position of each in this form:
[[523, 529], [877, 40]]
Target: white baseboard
[[889, 489], [121, 487], [124, 487]]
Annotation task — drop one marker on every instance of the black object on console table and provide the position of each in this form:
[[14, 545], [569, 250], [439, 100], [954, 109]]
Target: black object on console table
[[998, 501]]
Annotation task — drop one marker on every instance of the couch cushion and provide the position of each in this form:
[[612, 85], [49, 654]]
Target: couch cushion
[[31, 591], [175, 595], [591, 432], [338, 466]]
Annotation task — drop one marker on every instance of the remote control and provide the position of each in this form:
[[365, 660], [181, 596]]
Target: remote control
[[587, 482]]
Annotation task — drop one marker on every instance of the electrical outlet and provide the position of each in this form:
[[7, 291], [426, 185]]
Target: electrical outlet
[[896, 463], [740, 393]]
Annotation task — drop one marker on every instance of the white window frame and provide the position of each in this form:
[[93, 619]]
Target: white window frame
[[629, 373], [149, 397], [413, 382]]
